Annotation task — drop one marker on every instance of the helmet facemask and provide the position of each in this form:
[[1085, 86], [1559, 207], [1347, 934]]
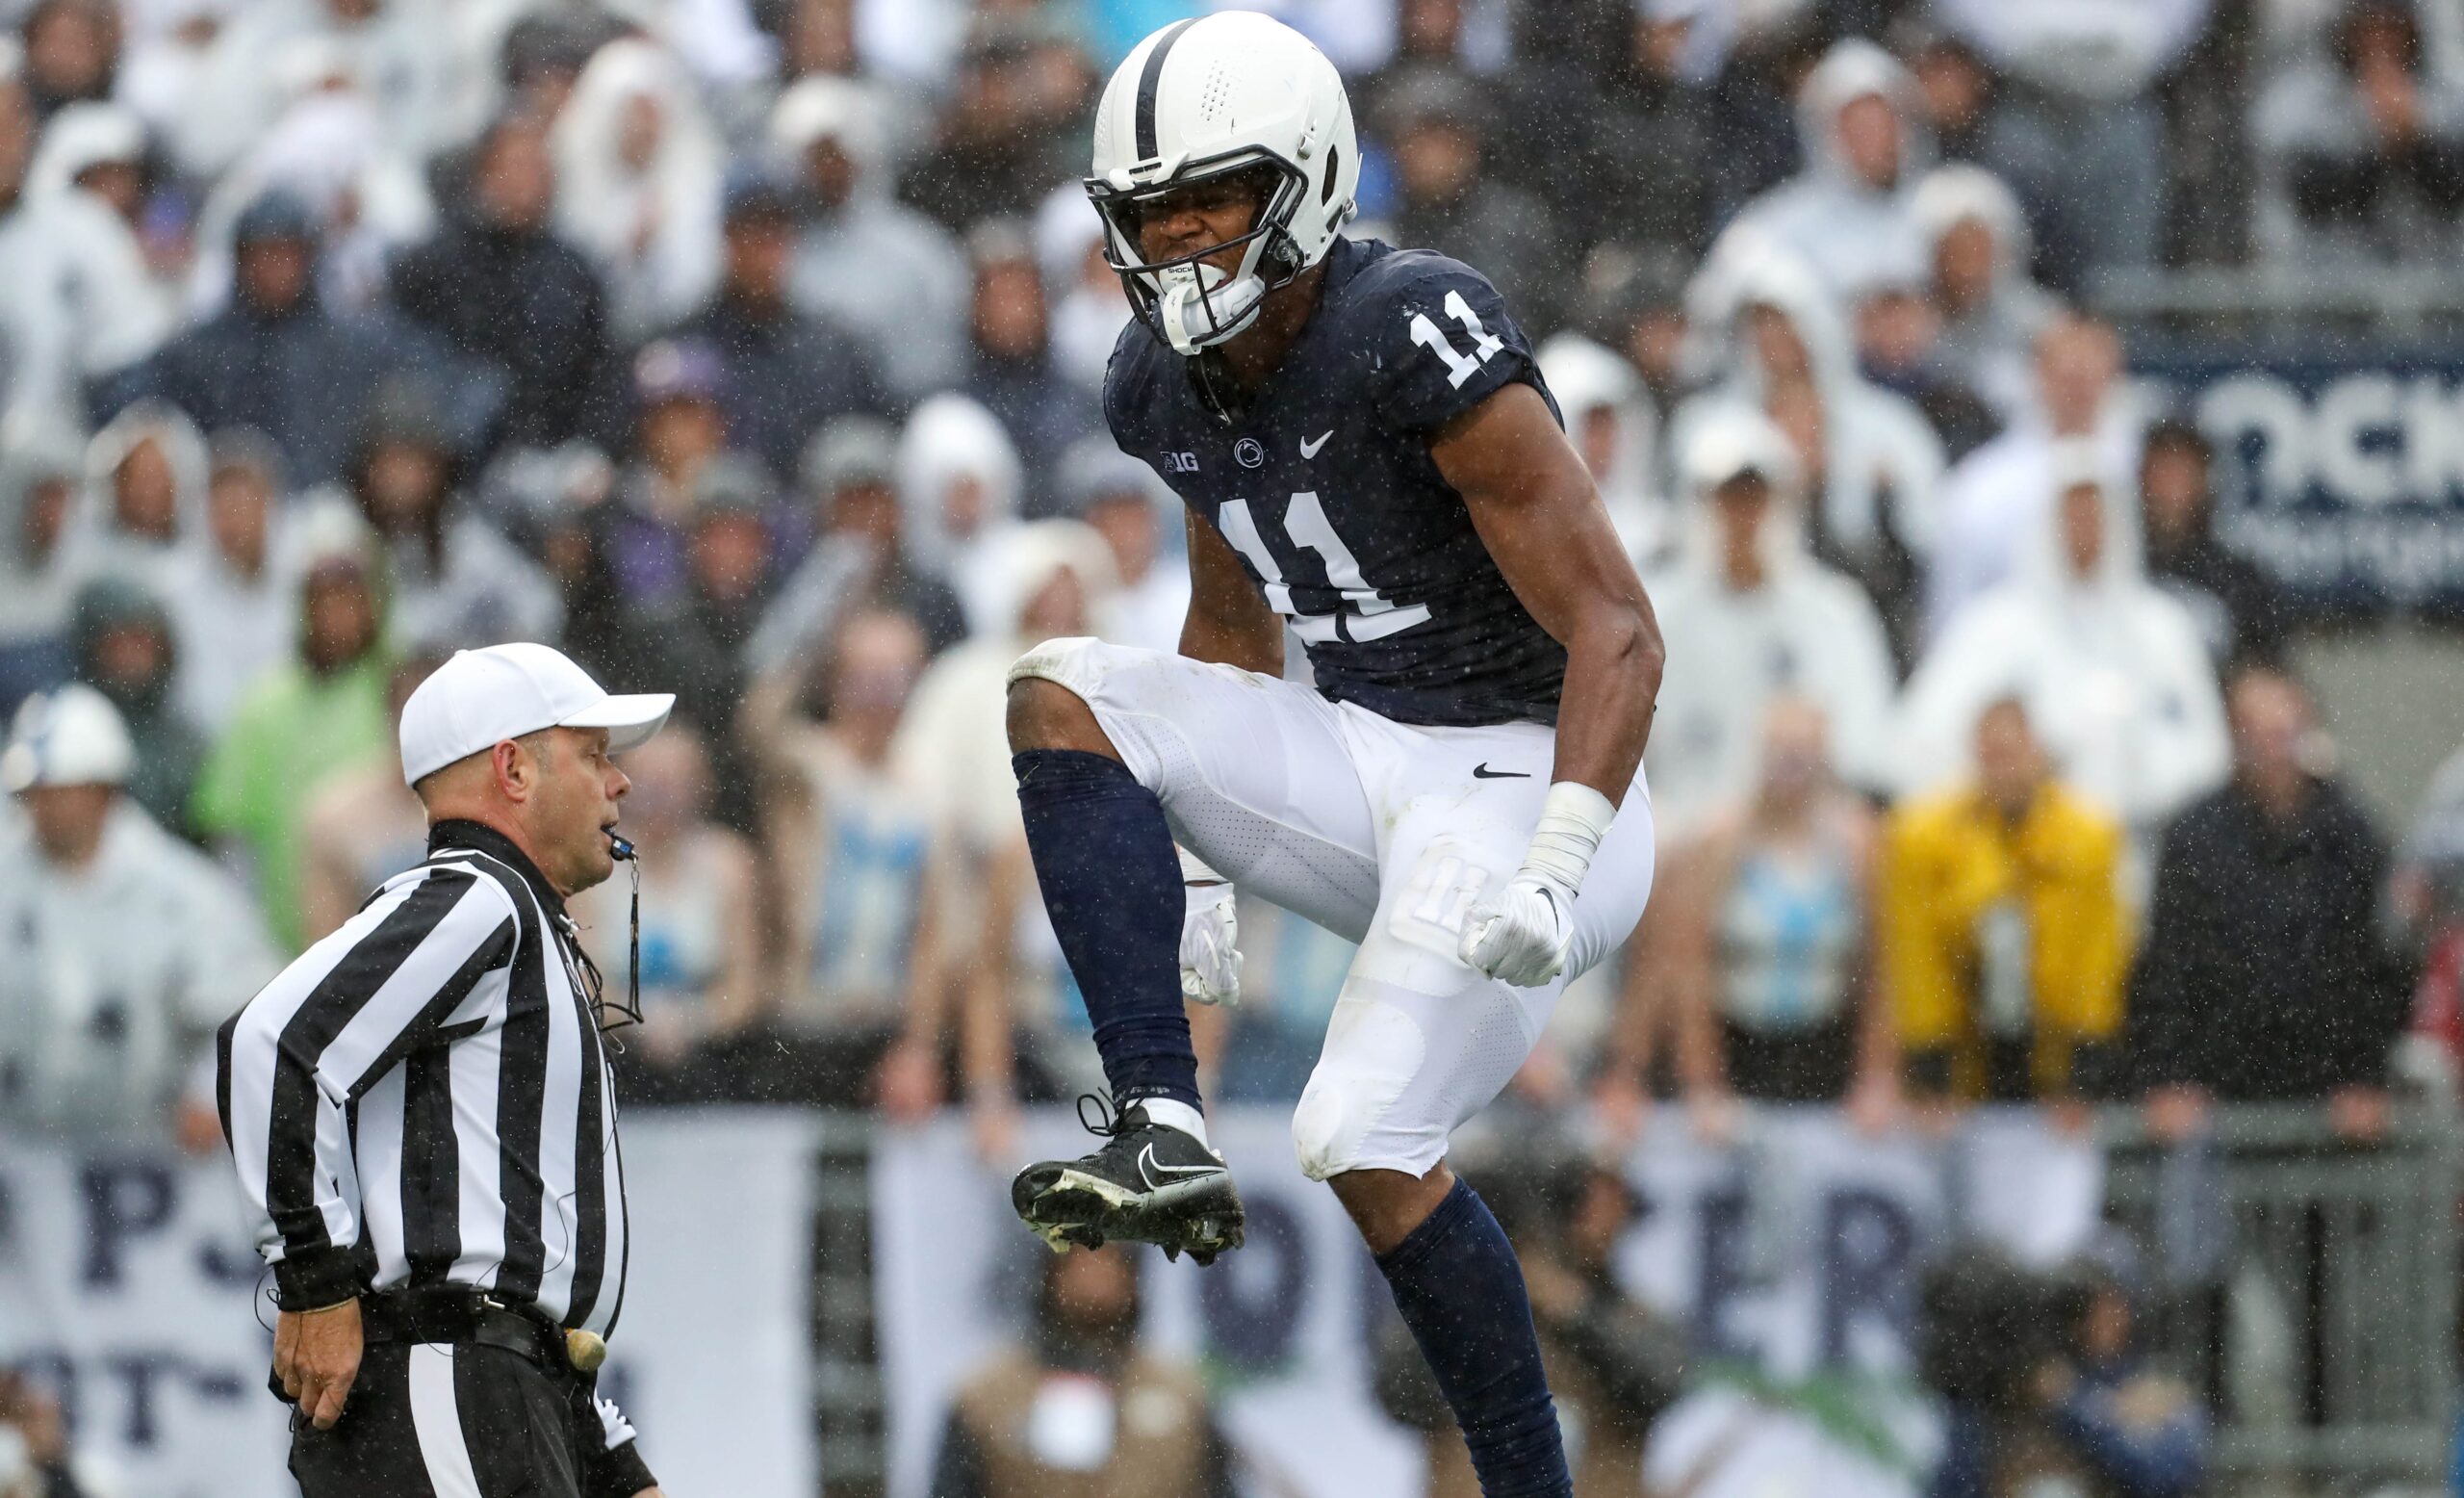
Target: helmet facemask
[[1190, 304]]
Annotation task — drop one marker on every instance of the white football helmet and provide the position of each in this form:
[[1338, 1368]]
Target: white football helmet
[[1220, 95]]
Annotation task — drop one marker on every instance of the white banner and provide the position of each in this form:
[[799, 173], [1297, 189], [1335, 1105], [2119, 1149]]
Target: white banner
[[128, 1285], [1795, 1250]]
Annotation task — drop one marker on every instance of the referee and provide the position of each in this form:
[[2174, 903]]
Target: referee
[[420, 1110]]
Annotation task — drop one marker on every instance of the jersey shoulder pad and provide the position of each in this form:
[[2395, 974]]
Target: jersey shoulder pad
[[1438, 337], [1129, 382]]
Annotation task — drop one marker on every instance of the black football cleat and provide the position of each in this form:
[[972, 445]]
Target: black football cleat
[[1149, 1183]]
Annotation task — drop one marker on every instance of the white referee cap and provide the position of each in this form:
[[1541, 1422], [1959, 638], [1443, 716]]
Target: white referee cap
[[70, 737], [481, 697]]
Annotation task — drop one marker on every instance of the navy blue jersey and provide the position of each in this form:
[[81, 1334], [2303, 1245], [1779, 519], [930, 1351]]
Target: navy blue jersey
[[1325, 486]]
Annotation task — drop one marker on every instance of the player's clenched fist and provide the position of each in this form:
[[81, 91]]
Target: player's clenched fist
[[1209, 937], [1523, 933]]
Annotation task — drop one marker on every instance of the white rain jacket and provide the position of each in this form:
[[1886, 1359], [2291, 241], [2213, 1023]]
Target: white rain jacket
[[76, 301], [957, 486], [96, 544], [1882, 461], [1850, 232], [652, 225], [874, 267], [1807, 631], [952, 744], [1990, 350], [113, 977], [2112, 671]]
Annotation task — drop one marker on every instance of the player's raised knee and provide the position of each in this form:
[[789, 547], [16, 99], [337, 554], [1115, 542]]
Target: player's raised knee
[[1322, 1132], [1045, 713]]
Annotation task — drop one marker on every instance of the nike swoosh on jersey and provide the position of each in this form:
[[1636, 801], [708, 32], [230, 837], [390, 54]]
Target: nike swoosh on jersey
[[1310, 448], [1481, 771], [1150, 1168]]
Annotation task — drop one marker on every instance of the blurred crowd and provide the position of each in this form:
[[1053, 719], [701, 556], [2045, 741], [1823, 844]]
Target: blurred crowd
[[752, 349]]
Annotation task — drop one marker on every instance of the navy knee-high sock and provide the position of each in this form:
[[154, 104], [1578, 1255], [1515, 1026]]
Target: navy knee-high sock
[[1457, 1282], [1111, 885]]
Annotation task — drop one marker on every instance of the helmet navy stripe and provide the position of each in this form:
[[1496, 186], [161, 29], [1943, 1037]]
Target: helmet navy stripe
[[1148, 77]]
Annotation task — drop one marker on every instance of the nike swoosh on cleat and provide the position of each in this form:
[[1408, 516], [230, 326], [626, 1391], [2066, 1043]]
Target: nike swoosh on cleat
[[1481, 771], [1150, 1166], [1309, 449]]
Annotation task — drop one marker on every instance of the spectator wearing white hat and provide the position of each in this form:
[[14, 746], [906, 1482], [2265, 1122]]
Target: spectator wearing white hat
[[889, 274], [1751, 619], [122, 947], [1870, 463], [99, 149]]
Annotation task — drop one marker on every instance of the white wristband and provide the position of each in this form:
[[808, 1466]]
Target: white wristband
[[1194, 869], [1572, 822]]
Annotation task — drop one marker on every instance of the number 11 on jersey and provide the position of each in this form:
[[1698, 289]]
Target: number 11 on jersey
[[1459, 367], [1372, 616]]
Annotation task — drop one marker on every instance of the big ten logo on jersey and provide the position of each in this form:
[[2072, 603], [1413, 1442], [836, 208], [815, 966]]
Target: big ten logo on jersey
[[1180, 462], [1445, 883]]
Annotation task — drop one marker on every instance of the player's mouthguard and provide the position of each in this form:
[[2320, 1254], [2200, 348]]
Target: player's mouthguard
[[1200, 306]]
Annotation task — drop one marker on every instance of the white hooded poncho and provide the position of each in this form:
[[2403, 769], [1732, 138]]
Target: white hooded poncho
[[1881, 460], [1850, 233], [952, 442], [2112, 671], [1806, 631], [653, 227]]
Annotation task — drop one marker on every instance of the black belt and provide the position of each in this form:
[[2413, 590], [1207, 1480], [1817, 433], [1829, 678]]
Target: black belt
[[465, 1316]]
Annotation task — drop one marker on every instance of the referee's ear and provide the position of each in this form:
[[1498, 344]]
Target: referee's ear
[[516, 765]]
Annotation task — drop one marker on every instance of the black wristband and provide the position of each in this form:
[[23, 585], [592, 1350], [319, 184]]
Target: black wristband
[[316, 1279]]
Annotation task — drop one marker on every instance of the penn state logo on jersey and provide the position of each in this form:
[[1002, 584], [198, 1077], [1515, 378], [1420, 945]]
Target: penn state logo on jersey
[[1324, 485]]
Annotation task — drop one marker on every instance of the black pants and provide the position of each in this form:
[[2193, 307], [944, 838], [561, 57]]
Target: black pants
[[467, 1421]]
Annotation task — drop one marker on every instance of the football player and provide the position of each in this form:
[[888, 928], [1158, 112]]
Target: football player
[[1371, 462]]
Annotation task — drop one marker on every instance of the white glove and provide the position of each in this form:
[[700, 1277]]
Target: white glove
[[1522, 934], [1209, 937]]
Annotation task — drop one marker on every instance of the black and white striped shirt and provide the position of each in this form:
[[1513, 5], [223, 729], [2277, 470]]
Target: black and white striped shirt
[[421, 1098]]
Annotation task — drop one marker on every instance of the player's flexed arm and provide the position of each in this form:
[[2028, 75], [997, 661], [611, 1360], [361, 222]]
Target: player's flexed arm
[[1534, 503], [1228, 621]]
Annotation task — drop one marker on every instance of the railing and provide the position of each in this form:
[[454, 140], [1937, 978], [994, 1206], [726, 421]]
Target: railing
[[2326, 1332]]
